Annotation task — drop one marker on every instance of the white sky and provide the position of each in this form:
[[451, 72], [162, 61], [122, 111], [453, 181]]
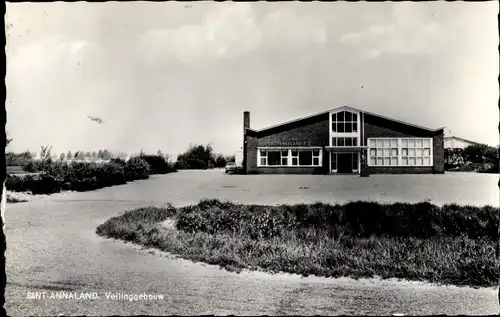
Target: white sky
[[163, 75]]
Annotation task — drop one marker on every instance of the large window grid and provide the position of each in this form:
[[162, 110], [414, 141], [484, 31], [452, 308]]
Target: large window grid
[[345, 122], [400, 151], [289, 157]]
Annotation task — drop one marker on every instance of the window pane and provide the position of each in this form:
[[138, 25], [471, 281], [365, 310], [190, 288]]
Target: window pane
[[373, 143], [334, 127], [394, 143], [404, 143], [411, 161], [404, 161], [334, 141], [295, 161], [262, 153], [354, 127], [273, 158], [394, 161], [387, 143], [295, 153], [380, 143], [405, 152], [387, 152], [418, 143], [420, 161], [411, 143], [305, 158], [355, 141], [284, 161], [380, 161], [394, 152], [340, 142], [334, 117], [387, 161], [316, 152], [263, 161], [427, 152], [354, 117], [419, 152], [427, 143], [316, 161], [284, 153], [340, 127], [411, 152], [348, 116], [348, 127], [348, 141], [372, 161], [373, 152], [427, 160], [340, 116]]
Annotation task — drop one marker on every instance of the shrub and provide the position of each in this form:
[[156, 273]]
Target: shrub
[[365, 219], [136, 168], [158, 164]]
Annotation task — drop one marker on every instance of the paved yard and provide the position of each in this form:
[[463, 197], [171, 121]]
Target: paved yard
[[52, 245]]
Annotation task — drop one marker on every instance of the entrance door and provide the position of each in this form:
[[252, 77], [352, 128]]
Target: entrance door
[[344, 161]]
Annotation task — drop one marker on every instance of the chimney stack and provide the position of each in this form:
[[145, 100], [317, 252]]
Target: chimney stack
[[246, 120]]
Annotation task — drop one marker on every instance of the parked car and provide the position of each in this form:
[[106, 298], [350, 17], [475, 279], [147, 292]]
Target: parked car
[[230, 167]]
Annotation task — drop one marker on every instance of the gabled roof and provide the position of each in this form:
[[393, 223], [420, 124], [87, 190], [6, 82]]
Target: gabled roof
[[461, 139], [345, 108]]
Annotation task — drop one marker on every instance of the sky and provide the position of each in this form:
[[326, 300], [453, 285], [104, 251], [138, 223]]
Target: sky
[[163, 76]]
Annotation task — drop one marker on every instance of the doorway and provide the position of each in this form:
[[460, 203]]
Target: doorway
[[344, 163]]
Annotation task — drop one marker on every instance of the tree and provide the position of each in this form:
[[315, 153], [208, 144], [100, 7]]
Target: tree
[[69, 156], [8, 140], [99, 154], [94, 155], [62, 157], [196, 157], [88, 155], [220, 160], [453, 157], [106, 155], [45, 152]]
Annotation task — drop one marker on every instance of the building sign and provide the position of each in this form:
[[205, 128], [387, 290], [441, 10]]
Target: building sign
[[290, 142]]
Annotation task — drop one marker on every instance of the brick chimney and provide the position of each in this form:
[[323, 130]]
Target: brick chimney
[[246, 125], [246, 120]]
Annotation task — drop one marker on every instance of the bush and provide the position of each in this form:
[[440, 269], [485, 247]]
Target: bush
[[421, 220], [136, 168], [36, 184], [158, 164]]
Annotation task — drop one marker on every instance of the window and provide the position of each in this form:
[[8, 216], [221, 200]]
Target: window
[[305, 158], [274, 158], [400, 152], [416, 152], [383, 152], [344, 141], [295, 157], [345, 122], [289, 157]]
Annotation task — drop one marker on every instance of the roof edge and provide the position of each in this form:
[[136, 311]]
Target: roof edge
[[345, 108]]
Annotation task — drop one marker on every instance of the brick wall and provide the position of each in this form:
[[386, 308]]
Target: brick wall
[[378, 128], [310, 132]]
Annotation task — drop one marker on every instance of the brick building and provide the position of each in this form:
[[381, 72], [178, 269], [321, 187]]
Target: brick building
[[342, 141]]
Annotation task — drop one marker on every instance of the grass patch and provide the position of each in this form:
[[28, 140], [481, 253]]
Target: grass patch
[[450, 244]]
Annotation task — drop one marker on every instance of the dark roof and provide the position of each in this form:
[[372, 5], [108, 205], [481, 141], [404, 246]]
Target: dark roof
[[312, 117]]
